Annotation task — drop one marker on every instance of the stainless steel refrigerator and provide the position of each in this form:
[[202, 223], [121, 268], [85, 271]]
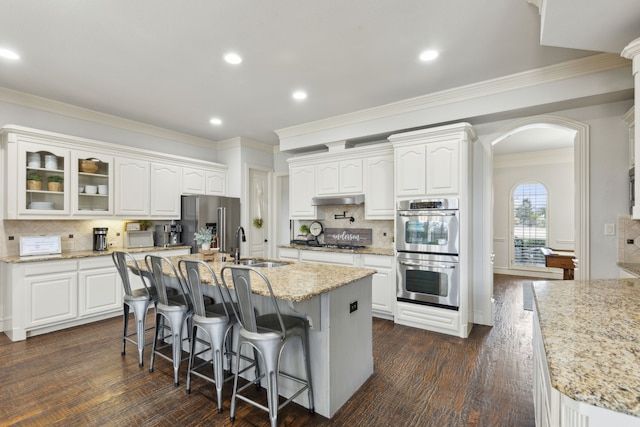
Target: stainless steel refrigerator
[[221, 214]]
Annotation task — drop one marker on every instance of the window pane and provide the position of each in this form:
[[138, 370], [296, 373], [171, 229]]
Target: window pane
[[529, 224]]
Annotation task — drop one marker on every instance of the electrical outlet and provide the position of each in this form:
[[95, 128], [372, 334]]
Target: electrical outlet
[[609, 229], [353, 306]]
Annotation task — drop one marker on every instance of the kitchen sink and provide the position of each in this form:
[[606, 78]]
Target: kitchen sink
[[261, 263]]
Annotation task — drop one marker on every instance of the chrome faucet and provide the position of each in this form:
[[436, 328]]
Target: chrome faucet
[[244, 239]]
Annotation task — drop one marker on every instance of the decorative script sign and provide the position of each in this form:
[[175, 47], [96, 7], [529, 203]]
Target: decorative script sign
[[348, 236]]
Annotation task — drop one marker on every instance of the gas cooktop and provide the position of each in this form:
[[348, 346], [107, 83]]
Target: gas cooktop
[[316, 244]]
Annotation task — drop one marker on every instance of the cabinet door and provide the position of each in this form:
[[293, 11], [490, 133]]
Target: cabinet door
[[51, 298], [194, 181], [327, 176], [383, 284], [216, 184], [379, 202], [350, 176], [92, 184], [410, 171], [41, 196], [99, 290], [301, 189], [166, 188], [132, 187], [443, 168]]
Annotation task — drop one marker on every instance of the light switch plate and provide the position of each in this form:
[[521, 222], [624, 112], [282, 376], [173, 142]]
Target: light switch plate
[[609, 229]]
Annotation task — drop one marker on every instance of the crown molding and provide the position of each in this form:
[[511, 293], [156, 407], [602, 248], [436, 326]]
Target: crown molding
[[588, 65], [241, 142], [536, 158], [56, 107]]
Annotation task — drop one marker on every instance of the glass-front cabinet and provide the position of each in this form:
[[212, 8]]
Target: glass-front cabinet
[[43, 180], [92, 184]]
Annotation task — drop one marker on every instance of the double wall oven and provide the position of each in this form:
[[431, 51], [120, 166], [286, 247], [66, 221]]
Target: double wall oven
[[427, 245]]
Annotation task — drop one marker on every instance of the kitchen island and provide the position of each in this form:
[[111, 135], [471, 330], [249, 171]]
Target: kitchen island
[[586, 345], [341, 350]]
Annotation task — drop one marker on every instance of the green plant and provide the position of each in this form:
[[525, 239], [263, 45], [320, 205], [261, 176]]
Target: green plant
[[34, 177], [203, 236], [144, 224], [304, 229], [55, 178], [257, 222]]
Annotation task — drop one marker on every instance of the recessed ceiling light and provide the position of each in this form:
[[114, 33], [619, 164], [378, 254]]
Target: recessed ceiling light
[[216, 121], [233, 58], [299, 95], [428, 55], [9, 54]]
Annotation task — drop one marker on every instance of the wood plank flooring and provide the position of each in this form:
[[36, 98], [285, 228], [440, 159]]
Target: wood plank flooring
[[77, 377]]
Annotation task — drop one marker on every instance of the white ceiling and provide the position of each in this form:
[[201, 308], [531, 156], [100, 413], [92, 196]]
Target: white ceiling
[[160, 62]]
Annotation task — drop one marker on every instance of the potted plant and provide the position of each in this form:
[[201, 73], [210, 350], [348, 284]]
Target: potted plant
[[34, 181], [203, 237], [144, 224], [304, 229], [54, 183]]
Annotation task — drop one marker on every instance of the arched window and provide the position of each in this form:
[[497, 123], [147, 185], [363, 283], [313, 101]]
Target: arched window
[[529, 202]]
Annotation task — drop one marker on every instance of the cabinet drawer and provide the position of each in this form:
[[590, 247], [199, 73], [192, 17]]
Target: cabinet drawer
[[378, 261], [48, 267], [329, 258], [96, 262]]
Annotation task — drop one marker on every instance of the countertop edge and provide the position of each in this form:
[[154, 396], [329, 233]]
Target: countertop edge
[[16, 259]]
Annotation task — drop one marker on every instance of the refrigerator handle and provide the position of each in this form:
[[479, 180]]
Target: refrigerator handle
[[222, 228]]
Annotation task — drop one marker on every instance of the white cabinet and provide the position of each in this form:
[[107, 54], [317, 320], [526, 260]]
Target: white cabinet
[[288, 253], [132, 187], [379, 201], [301, 190], [51, 292], [410, 171], [94, 171], [384, 284], [99, 288], [443, 168], [343, 177], [216, 184], [166, 189], [194, 181]]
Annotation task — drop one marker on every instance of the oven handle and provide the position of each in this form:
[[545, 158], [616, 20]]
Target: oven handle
[[422, 264], [426, 213]]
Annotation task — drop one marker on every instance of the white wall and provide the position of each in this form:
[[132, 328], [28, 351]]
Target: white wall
[[553, 169]]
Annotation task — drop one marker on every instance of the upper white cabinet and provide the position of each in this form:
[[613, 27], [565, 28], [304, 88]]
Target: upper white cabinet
[[76, 178], [92, 186], [428, 162], [132, 188], [301, 191], [166, 189], [379, 203], [443, 168], [361, 170], [410, 173], [343, 177]]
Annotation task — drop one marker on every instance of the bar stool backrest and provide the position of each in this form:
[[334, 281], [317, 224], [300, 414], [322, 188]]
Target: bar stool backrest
[[156, 265], [241, 277], [193, 279], [121, 259]]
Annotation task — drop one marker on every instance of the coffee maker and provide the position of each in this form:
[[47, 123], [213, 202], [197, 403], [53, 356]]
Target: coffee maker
[[100, 239], [169, 234]]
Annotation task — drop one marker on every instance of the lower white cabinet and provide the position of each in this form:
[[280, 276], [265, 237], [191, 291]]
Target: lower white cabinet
[[99, 287], [45, 296], [51, 293], [384, 284], [383, 281]]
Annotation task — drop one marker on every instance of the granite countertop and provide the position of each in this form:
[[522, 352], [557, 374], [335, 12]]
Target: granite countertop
[[366, 250], [14, 259], [630, 267], [294, 281], [591, 334]]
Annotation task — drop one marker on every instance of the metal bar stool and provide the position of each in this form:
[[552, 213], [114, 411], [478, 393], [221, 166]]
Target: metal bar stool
[[175, 311], [139, 300], [267, 334], [215, 319]]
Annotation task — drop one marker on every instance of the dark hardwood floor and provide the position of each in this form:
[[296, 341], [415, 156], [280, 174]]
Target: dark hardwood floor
[[77, 377]]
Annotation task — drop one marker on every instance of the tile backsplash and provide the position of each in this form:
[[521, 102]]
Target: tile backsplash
[[75, 235], [628, 229], [382, 230]]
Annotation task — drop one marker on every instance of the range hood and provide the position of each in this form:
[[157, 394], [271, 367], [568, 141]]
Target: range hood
[[355, 199]]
